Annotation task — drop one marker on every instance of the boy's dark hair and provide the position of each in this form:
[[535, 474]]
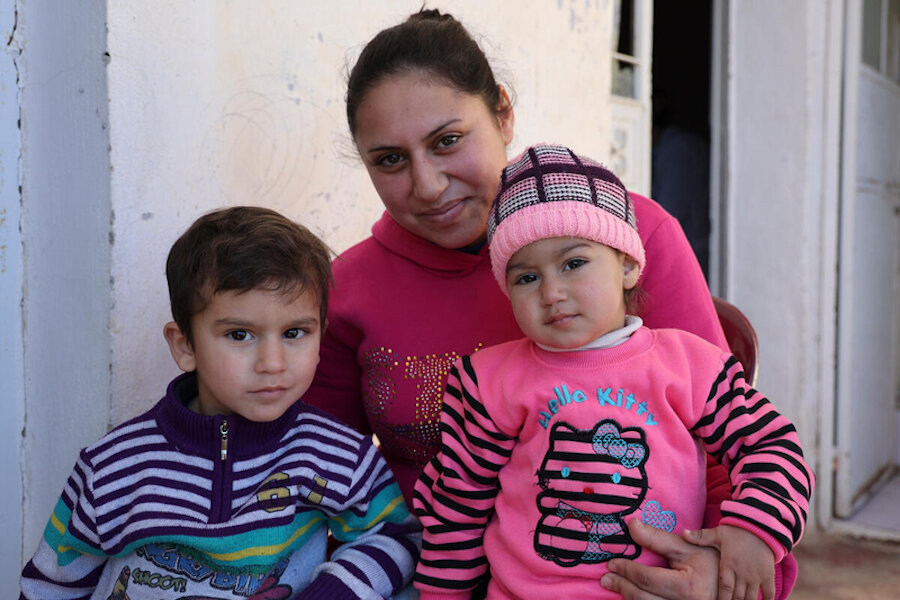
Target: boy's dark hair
[[244, 248], [427, 41]]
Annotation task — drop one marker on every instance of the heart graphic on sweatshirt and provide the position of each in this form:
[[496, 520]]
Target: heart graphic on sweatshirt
[[654, 515]]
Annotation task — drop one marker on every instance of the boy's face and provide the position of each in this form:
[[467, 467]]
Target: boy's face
[[567, 292], [255, 352]]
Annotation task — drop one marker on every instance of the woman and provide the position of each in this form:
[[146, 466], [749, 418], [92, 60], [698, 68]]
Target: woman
[[431, 125]]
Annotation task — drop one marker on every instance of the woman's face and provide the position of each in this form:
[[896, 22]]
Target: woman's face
[[434, 154]]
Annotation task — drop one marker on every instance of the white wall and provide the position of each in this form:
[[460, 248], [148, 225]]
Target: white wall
[[242, 103], [781, 225], [204, 104], [65, 202], [11, 370]]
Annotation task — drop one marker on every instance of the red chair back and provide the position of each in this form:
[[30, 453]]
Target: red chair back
[[740, 335]]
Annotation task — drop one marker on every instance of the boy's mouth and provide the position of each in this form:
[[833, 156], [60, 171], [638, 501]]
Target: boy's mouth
[[272, 391]]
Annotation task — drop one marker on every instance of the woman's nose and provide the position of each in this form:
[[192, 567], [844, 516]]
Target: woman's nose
[[429, 179]]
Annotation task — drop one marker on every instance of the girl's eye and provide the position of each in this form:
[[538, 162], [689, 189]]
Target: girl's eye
[[238, 336], [446, 141], [525, 279], [574, 263], [294, 333]]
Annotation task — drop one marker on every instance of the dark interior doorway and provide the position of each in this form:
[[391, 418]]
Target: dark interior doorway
[[682, 56]]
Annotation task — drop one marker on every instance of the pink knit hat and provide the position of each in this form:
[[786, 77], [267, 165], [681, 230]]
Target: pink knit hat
[[549, 191]]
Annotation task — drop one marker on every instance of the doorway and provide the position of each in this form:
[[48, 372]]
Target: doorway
[[680, 172], [867, 416]]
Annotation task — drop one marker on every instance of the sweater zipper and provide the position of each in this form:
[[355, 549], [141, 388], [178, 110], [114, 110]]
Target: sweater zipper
[[220, 508], [223, 430]]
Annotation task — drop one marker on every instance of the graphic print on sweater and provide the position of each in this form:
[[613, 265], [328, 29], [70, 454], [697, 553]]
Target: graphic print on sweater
[[178, 569], [590, 480]]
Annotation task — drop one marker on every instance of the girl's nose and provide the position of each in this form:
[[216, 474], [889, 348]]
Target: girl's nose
[[429, 180], [552, 290]]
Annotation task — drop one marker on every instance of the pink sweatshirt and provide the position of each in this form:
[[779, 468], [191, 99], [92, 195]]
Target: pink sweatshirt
[[546, 456], [403, 310]]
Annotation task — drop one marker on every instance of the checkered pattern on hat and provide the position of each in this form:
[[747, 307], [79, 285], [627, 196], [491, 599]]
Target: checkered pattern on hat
[[549, 191]]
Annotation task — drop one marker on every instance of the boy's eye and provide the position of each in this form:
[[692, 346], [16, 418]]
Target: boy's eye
[[294, 333], [238, 336], [574, 263]]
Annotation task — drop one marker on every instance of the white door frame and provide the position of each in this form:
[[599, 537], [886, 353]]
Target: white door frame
[[718, 155], [841, 124]]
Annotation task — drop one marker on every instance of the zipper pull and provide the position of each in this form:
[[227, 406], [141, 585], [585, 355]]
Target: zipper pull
[[223, 429]]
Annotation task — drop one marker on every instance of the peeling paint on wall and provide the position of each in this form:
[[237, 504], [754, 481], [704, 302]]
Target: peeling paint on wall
[[11, 294]]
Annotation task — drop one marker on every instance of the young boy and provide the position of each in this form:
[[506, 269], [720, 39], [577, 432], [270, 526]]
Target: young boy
[[228, 487], [553, 443]]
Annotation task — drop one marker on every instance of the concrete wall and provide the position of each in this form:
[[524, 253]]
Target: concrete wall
[[139, 116], [65, 205], [242, 103], [12, 382], [782, 208]]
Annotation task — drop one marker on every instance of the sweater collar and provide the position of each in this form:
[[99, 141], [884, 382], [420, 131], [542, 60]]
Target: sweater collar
[[638, 342], [607, 340], [449, 263], [201, 435]]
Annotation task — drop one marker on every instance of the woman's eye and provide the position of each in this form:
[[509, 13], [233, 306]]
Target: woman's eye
[[446, 141], [294, 333], [238, 336], [574, 263], [389, 160]]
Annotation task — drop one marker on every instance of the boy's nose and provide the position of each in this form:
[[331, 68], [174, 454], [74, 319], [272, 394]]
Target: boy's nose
[[428, 179], [270, 358]]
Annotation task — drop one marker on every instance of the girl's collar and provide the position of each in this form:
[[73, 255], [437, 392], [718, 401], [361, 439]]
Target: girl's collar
[[607, 340]]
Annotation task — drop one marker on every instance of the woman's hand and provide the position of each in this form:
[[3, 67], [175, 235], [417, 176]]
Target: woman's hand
[[693, 572], [746, 565]]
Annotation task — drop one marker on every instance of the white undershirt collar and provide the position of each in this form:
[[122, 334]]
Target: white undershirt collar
[[607, 340]]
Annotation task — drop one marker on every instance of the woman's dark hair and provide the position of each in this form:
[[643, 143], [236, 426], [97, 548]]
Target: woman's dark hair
[[428, 41]]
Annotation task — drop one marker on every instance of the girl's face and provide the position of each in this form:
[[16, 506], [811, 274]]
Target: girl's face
[[567, 292], [434, 154]]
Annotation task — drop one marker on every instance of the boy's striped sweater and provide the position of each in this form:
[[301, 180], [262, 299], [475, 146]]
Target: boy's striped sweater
[[173, 504]]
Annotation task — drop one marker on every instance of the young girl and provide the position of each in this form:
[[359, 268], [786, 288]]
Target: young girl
[[552, 443]]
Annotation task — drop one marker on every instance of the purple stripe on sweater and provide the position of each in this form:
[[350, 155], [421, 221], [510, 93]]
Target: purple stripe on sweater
[[172, 503], [313, 461], [147, 483], [139, 427], [386, 563], [126, 453], [178, 470], [88, 581], [355, 571]]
